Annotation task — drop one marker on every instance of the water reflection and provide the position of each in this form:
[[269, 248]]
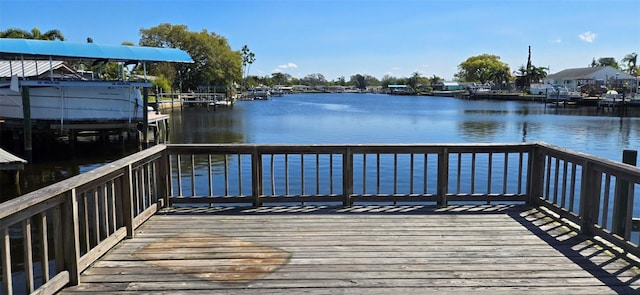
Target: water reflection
[[198, 125]]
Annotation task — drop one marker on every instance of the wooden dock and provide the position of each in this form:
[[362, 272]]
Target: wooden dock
[[324, 219], [360, 250]]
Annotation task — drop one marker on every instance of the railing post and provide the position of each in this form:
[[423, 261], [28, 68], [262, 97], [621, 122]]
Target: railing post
[[443, 177], [589, 198], [622, 197], [535, 180], [127, 201], [347, 177], [256, 177], [71, 238]]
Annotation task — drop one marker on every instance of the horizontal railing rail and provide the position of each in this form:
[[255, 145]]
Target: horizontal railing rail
[[49, 236]]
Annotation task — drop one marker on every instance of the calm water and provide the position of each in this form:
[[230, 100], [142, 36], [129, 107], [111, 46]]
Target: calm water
[[375, 118], [364, 118]]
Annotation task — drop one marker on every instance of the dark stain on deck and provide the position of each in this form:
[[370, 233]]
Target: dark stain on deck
[[227, 260]]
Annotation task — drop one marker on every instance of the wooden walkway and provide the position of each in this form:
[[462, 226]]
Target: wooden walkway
[[360, 250]]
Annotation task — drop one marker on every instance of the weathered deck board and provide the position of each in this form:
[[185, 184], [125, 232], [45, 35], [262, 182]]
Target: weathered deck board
[[366, 250]]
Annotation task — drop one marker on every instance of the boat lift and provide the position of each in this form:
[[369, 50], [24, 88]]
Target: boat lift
[[25, 49]]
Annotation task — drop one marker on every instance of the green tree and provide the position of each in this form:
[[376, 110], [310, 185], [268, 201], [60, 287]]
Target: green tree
[[434, 80], [483, 68], [631, 59], [359, 81], [414, 80], [314, 79], [537, 74], [280, 78], [162, 83], [34, 34], [215, 63], [605, 61], [248, 58]]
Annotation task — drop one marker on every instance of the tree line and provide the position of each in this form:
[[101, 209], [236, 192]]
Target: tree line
[[217, 64]]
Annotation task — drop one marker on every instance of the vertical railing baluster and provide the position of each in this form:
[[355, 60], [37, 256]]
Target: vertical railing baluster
[[44, 248], [395, 173], [85, 221], [104, 212], [28, 254], [179, 169], [378, 173], [547, 189], [273, 177], [556, 180], [169, 177], [331, 173], [504, 175], [459, 173], [96, 215], [411, 174], [210, 174], [605, 203], [226, 175], [426, 174], [563, 195], [240, 175], [572, 194], [302, 174], [113, 209], [127, 200], [193, 175], [489, 174], [364, 173], [520, 169], [317, 174], [7, 283], [286, 174], [629, 212], [473, 173], [58, 242]]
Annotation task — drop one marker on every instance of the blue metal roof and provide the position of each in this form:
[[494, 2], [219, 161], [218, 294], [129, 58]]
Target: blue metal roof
[[62, 49]]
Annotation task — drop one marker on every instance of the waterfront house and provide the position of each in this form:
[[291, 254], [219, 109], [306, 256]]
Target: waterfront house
[[607, 76]]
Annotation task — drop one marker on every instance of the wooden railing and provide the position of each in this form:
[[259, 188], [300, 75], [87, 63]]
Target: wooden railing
[[597, 194], [51, 235], [260, 174]]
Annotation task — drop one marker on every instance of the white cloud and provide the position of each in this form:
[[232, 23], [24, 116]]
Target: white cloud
[[556, 41], [288, 66], [587, 37]]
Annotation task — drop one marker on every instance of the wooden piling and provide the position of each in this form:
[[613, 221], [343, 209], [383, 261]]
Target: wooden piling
[[26, 111]]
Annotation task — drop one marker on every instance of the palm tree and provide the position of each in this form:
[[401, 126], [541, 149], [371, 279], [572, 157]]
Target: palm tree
[[631, 60], [537, 74], [34, 34]]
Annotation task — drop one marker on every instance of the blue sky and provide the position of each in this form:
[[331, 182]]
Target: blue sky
[[348, 37]]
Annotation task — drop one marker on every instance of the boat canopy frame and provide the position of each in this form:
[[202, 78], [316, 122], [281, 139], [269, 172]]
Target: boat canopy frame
[[43, 49]]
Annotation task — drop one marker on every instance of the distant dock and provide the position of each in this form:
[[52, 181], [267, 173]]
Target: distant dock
[[11, 164]]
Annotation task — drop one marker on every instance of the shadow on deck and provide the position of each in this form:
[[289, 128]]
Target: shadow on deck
[[493, 249]]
